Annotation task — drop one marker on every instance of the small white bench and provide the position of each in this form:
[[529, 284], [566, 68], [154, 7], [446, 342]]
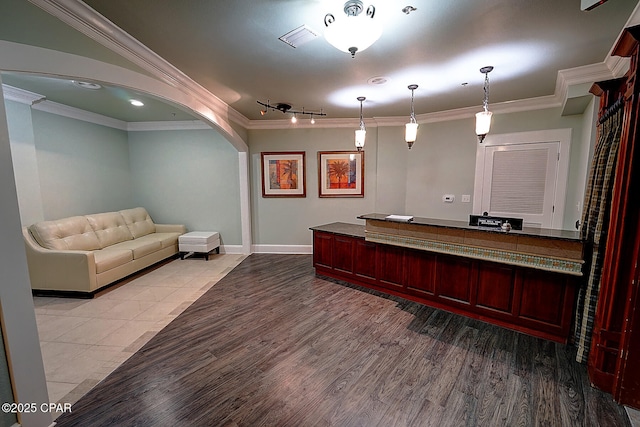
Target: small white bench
[[199, 242]]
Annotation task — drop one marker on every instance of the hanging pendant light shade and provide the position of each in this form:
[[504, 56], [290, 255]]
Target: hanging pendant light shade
[[411, 128], [483, 118], [360, 133], [354, 32]]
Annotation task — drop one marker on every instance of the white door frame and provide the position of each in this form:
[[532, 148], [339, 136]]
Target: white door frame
[[563, 136]]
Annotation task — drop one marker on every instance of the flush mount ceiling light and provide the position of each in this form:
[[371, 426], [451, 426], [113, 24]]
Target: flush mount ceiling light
[[136, 103], [360, 133], [286, 108], [411, 128], [483, 118], [354, 32]]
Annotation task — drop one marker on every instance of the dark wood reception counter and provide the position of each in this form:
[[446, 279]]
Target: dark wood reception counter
[[524, 280]]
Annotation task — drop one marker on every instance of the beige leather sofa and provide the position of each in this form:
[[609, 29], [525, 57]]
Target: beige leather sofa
[[82, 254]]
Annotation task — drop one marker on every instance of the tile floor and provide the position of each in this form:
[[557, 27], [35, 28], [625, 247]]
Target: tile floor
[[84, 340]]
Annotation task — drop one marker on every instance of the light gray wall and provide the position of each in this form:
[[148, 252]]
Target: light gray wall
[[188, 177], [67, 167], [87, 168], [23, 153], [83, 167], [286, 221], [399, 180], [391, 170], [16, 303], [442, 161]]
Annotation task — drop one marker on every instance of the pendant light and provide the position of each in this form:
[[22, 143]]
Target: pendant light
[[411, 128], [483, 118], [360, 133]]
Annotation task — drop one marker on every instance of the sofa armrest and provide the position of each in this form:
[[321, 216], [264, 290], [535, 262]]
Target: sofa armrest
[[60, 270], [171, 228]]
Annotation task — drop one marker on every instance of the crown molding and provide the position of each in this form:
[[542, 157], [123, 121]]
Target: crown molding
[[40, 103], [530, 104], [20, 95], [618, 65], [585, 74], [161, 126], [90, 23], [78, 114], [83, 18]]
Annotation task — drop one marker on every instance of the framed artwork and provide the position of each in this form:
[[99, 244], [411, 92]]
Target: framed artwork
[[341, 173], [283, 174]]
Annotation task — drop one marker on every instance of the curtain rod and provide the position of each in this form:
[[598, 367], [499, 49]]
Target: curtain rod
[[612, 109]]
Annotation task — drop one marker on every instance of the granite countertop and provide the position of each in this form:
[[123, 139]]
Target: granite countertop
[[526, 231], [343, 228]]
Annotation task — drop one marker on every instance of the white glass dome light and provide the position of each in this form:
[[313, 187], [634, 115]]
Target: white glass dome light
[[354, 32]]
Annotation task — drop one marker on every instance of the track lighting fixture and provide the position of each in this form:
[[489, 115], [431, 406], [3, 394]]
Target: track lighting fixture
[[286, 108], [483, 118], [360, 133], [411, 128]]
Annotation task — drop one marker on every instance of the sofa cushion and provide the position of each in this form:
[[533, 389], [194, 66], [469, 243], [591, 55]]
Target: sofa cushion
[[109, 258], [139, 247], [165, 239], [110, 228], [73, 233], [138, 221]]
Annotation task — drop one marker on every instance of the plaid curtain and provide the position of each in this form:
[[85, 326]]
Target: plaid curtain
[[595, 224]]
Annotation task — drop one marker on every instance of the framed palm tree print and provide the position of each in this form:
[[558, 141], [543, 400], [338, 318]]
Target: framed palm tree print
[[283, 174], [341, 173]]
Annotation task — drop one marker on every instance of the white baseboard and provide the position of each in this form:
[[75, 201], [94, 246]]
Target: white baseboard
[[231, 249], [268, 249], [282, 249]]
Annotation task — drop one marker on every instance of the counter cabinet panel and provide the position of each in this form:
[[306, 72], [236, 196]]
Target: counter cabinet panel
[[365, 261], [535, 302]]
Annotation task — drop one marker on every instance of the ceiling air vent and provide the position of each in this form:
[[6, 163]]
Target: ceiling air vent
[[299, 36]]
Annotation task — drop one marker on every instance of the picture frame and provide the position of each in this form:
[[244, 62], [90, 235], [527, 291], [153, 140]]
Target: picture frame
[[341, 173], [283, 174]]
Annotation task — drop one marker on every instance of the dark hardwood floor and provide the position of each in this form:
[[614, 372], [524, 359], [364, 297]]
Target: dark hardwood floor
[[271, 344]]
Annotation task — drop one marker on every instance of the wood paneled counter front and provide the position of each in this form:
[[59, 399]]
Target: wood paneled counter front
[[523, 280]]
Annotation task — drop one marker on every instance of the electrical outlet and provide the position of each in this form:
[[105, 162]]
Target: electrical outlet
[[448, 198], [466, 198]]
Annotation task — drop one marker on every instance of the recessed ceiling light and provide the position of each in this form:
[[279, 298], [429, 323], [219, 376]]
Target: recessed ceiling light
[[377, 80], [136, 103], [86, 85]]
